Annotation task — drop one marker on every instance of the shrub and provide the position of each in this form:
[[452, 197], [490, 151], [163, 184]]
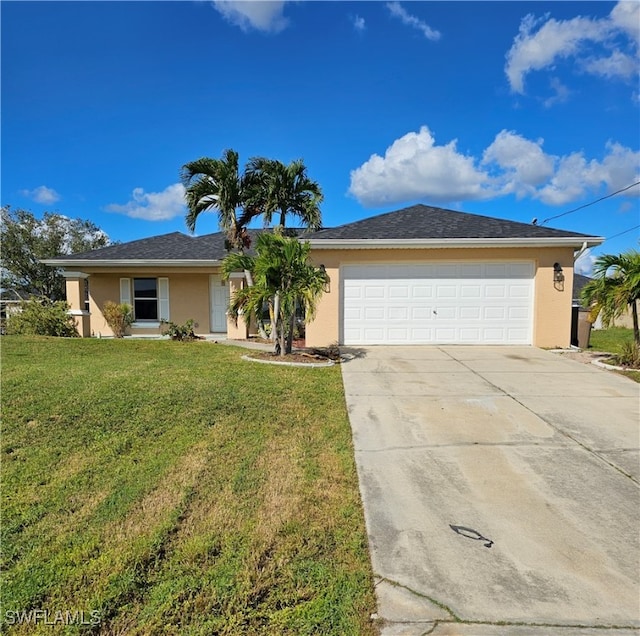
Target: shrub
[[118, 317], [629, 355], [42, 317], [180, 332]]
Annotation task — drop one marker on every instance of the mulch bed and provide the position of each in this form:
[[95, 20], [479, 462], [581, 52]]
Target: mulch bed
[[300, 353]]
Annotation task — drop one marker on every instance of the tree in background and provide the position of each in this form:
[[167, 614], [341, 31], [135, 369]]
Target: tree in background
[[26, 240], [281, 270], [614, 288]]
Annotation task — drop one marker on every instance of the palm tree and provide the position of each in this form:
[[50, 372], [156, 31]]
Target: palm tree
[[616, 286], [274, 188], [282, 270], [216, 184]]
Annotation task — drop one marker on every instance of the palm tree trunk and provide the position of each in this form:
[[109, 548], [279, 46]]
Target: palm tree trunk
[[634, 315], [275, 317], [281, 339], [292, 322], [259, 322]]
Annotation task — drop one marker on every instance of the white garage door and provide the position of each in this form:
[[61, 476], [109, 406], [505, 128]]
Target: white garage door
[[435, 303]]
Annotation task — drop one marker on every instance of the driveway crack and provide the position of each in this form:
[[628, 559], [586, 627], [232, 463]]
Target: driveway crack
[[547, 421]]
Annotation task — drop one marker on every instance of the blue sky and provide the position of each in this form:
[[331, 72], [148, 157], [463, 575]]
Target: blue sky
[[518, 110]]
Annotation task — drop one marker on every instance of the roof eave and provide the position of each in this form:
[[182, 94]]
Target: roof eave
[[132, 262], [550, 241]]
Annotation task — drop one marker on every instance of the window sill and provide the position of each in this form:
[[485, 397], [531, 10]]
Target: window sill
[[151, 324]]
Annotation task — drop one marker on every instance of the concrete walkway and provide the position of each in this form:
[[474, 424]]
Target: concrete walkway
[[500, 488]]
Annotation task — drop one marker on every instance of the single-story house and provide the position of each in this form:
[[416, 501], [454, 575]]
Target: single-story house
[[420, 275]]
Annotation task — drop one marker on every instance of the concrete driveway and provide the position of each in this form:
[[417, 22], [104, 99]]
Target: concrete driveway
[[500, 488]]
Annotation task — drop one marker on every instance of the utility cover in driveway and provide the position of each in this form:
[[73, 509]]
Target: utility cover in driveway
[[438, 303]]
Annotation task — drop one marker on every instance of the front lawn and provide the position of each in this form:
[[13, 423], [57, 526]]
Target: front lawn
[[611, 341], [173, 488]]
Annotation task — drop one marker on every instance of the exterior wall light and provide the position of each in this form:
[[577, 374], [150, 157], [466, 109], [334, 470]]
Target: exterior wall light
[[558, 275]]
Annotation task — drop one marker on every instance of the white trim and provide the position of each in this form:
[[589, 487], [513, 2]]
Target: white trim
[[78, 312], [125, 291], [146, 324], [343, 244], [68, 274], [163, 298]]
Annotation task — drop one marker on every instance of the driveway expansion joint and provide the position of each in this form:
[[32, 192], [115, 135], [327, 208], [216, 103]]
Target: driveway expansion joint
[[549, 422], [540, 480]]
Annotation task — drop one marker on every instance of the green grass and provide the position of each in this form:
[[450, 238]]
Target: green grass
[[176, 489], [611, 341]]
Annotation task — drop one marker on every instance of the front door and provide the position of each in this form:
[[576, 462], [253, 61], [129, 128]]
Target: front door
[[219, 304]]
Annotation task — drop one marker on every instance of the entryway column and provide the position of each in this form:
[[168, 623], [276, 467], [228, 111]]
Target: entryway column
[[75, 282]]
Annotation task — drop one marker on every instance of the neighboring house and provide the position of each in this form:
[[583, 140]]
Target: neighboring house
[[420, 275], [579, 281]]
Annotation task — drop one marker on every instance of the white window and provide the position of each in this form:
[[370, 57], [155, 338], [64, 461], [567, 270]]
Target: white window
[[148, 296]]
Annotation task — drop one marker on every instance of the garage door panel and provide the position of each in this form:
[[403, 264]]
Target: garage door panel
[[398, 313], [371, 291], [422, 291], [446, 291], [374, 313], [470, 291], [518, 313], [495, 313], [470, 313], [471, 270], [438, 303], [469, 335], [495, 291], [352, 292], [421, 313], [446, 271], [519, 291], [398, 291]]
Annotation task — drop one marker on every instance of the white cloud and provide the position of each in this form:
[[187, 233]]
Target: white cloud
[[607, 47], [261, 15], [626, 17], [398, 11], [153, 206], [575, 176], [561, 93], [617, 64], [414, 167], [521, 163], [359, 24], [42, 194], [584, 263]]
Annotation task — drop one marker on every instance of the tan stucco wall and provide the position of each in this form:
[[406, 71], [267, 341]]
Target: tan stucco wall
[[189, 297], [552, 302]]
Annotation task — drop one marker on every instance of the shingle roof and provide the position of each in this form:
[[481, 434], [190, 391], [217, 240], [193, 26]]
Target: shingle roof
[[426, 222], [415, 222], [579, 281], [174, 246]]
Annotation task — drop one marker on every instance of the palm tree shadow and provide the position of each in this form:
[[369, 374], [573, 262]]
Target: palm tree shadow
[[347, 354]]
